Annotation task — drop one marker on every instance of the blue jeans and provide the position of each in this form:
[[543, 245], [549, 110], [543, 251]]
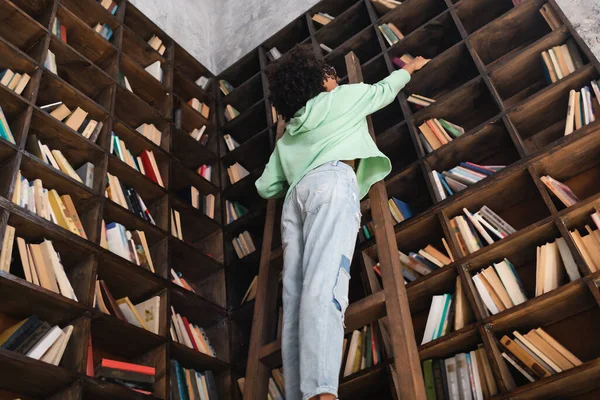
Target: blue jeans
[[319, 225]]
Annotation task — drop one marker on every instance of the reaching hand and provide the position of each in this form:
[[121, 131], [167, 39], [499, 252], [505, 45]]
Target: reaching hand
[[416, 64]]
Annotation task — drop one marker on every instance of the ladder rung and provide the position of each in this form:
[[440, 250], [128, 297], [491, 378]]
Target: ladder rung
[[359, 314]]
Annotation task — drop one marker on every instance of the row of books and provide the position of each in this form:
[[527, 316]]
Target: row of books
[[225, 87], [137, 377], [205, 203], [178, 279], [234, 210], [5, 132], [150, 132], [103, 30], [37, 339], [157, 44], [200, 135], [420, 101], [126, 196], [187, 383], [132, 246], [231, 112], [47, 204], [434, 133], [205, 171], [391, 33], [14, 81], [77, 120], [199, 107], [59, 30], [322, 18], [383, 6], [110, 5], [190, 335], [145, 163], [473, 231], [460, 177], [499, 286], [560, 61], [243, 244], [537, 355], [50, 62], [176, 229], [363, 351], [463, 376], [399, 209], [145, 314], [39, 263], [560, 190], [589, 244], [416, 265], [582, 107], [236, 173]]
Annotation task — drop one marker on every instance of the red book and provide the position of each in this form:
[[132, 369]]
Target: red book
[[141, 369], [148, 168], [374, 346], [63, 33], [376, 268], [89, 370], [112, 7], [189, 332]]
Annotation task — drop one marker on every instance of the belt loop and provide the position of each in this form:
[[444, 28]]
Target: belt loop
[[335, 163]]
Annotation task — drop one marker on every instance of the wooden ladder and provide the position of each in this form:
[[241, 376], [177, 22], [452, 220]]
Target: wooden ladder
[[390, 301]]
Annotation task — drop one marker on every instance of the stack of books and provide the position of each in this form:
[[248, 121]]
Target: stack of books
[[438, 320], [47, 204], [401, 61], [500, 287], [550, 17], [225, 87], [50, 62], [434, 133], [236, 172], [420, 101], [399, 209], [251, 291], [243, 244], [383, 6], [190, 335], [110, 5], [104, 30], [463, 376], [200, 107], [157, 44], [589, 245], [230, 112], [132, 246], [205, 171], [191, 384], [59, 30], [126, 196], [363, 352], [322, 18], [139, 378], [552, 260], [473, 231], [426, 260], [561, 61], [230, 142], [176, 229], [459, 178], [273, 54], [76, 120], [145, 163], [178, 279], [391, 33], [582, 108], [145, 314], [150, 132], [200, 135], [40, 264], [537, 355], [203, 82], [5, 132], [37, 339], [234, 210], [155, 69], [560, 190], [14, 80]]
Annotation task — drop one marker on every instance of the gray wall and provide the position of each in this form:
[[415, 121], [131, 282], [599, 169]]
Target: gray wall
[[219, 32]]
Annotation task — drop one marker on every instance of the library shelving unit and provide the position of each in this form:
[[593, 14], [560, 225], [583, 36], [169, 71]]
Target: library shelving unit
[[486, 75], [90, 71]]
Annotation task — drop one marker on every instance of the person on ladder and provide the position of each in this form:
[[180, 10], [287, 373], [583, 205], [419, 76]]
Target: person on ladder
[[313, 166]]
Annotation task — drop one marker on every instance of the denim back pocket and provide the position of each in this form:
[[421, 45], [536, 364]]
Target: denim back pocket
[[342, 283], [316, 189]]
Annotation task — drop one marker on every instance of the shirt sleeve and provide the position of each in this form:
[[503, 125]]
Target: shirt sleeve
[[272, 183], [375, 97]]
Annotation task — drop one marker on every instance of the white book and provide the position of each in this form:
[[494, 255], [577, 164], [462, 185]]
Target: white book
[[155, 70], [45, 343], [485, 296], [176, 279], [149, 311], [61, 277], [477, 371], [351, 353], [433, 319], [552, 271], [186, 338], [487, 225], [496, 220], [478, 227], [230, 142], [325, 47], [55, 353], [198, 380], [507, 276], [452, 376], [127, 84], [568, 260], [464, 380], [438, 185]]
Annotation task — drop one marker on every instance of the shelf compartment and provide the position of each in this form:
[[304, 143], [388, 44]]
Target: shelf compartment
[[443, 74], [38, 10], [143, 26], [410, 15], [188, 66], [579, 217], [16, 111], [251, 122], [21, 30], [189, 151], [287, 37], [476, 13], [144, 186], [429, 40], [509, 34], [183, 177], [194, 218], [540, 120], [140, 51], [242, 70], [409, 185], [344, 27], [252, 154], [461, 341], [191, 119], [396, 143], [387, 117], [91, 12], [95, 389], [145, 86], [186, 88], [364, 45], [246, 95], [20, 63], [523, 75], [335, 8]]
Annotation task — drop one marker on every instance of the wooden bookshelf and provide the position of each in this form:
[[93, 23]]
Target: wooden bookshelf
[[486, 76], [89, 69]]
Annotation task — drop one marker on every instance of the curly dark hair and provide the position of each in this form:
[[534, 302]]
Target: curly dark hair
[[295, 78]]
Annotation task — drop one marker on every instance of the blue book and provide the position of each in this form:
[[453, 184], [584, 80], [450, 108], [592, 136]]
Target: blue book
[[476, 168], [114, 10], [22, 333], [444, 183], [211, 385], [409, 277], [404, 208], [467, 174], [181, 385], [424, 261], [425, 143]]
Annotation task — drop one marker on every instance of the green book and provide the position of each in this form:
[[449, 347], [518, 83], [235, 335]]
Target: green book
[[5, 128], [366, 232], [429, 381], [450, 128], [368, 348], [240, 210], [390, 34]]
